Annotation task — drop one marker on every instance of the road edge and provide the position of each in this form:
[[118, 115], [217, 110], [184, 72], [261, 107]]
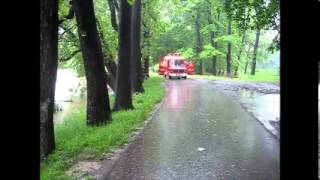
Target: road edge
[[112, 157]]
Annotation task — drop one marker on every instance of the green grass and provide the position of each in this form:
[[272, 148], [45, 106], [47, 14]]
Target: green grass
[[262, 75], [75, 141]]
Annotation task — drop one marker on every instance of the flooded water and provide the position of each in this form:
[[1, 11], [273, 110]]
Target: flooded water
[[69, 94], [68, 107], [261, 100], [265, 107]]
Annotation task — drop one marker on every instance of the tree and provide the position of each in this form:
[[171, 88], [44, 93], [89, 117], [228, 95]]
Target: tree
[[48, 72], [136, 69], [198, 40], [152, 28], [229, 9], [254, 59], [213, 44], [146, 48], [228, 58], [112, 6], [98, 108], [123, 99], [108, 27], [108, 60], [260, 21]]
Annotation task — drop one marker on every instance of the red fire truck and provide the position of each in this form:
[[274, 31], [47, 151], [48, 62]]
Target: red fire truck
[[174, 65]]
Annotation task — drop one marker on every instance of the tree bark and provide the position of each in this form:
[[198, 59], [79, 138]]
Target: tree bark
[[111, 74], [108, 61], [145, 56], [213, 44], [48, 72], [240, 52], [236, 70], [113, 16], [199, 41], [245, 68], [255, 50], [146, 67], [136, 69], [123, 98], [98, 107], [228, 59]]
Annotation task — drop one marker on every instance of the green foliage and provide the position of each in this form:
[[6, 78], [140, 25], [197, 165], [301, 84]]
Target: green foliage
[[75, 141], [169, 26], [187, 53], [233, 39], [76, 64], [209, 52], [64, 7]]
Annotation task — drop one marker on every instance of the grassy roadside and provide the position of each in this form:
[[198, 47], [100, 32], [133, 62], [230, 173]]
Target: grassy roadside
[[262, 75], [75, 141]]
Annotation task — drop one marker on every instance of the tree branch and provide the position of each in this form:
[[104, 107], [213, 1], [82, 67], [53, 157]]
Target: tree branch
[[112, 7], [71, 55], [68, 30], [70, 15]]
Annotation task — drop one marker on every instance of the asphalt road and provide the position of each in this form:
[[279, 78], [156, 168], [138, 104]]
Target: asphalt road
[[199, 133]]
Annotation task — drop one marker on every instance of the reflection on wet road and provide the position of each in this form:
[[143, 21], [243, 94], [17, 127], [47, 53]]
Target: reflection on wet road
[[199, 133]]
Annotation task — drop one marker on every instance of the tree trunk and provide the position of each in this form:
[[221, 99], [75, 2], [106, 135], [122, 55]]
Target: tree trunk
[[111, 74], [113, 15], [123, 98], [146, 45], [98, 108], [236, 71], [48, 72], [199, 41], [108, 60], [245, 68], [228, 59], [213, 44], [146, 67], [136, 69], [240, 52], [254, 59], [111, 81]]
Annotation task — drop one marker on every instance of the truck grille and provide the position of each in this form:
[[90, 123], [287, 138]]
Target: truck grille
[[177, 71]]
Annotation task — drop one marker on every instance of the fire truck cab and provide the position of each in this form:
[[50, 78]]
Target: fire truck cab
[[174, 65]]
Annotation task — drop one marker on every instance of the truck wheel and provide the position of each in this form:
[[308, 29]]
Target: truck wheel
[[185, 77], [170, 77]]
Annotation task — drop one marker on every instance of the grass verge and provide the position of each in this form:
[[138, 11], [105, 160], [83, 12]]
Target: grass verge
[[75, 141], [262, 75]]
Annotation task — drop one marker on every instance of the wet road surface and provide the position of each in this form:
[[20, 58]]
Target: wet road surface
[[199, 133], [261, 100]]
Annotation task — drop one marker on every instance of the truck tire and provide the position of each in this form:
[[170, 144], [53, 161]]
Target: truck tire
[[170, 77]]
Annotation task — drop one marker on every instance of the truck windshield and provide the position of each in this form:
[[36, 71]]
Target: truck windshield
[[178, 63]]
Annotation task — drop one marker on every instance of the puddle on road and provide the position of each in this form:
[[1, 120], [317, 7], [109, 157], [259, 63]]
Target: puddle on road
[[265, 107]]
